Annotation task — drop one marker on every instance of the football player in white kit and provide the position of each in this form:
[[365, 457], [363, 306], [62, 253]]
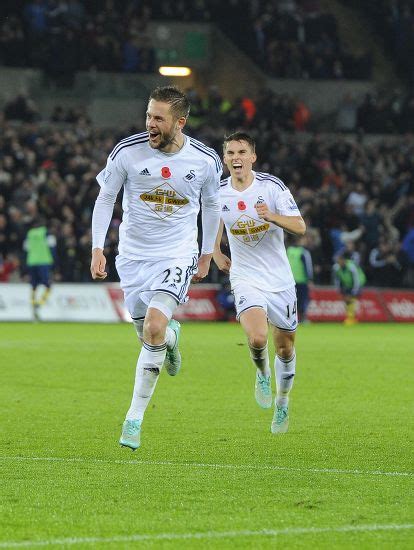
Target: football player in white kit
[[164, 174], [256, 209]]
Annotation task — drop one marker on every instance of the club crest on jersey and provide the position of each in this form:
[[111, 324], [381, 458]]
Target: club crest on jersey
[[190, 176], [260, 200], [164, 200], [165, 172], [241, 205], [248, 230], [242, 300]]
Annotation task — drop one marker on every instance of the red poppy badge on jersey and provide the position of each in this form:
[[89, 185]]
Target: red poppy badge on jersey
[[165, 172], [241, 205]]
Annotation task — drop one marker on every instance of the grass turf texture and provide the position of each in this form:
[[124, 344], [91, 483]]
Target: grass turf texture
[[208, 462]]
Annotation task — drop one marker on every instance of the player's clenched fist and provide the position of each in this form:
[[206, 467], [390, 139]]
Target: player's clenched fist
[[98, 264], [263, 211], [222, 261], [203, 267]]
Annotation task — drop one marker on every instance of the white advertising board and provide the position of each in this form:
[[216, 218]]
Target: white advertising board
[[79, 302], [15, 302], [66, 302]]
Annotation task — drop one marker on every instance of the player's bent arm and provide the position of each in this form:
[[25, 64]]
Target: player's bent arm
[[210, 219], [101, 218], [203, 267], [220, 259], [291, 224], [217, 244]]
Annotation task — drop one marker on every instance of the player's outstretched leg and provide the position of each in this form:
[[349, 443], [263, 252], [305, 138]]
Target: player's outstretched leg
[[173, 356], [285, 373], [254, 323], [148, 369], [131, 434], [285, 368]]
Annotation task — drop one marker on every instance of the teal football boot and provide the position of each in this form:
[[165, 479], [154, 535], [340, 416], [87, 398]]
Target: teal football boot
[[131, 434], [263, 391], [280, 422]]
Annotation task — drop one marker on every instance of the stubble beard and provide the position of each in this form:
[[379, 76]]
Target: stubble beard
[[165, 140]]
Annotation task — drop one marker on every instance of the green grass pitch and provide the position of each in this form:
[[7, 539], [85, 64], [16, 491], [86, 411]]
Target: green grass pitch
[[209, 473]]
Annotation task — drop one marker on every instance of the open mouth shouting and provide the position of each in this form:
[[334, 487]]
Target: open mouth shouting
[[154, 137]]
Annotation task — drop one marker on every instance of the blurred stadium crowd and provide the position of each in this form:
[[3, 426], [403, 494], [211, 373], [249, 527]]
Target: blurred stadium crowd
[[294, 39], [354, 192], [394, 23], [378, 112], [355, 189], [289, 38]]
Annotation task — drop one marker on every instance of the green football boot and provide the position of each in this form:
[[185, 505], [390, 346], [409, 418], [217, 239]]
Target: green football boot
[[131, 434], [280, 422], [263, 391], [173, 356]]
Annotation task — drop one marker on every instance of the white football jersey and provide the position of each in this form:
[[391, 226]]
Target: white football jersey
[[258, 254], [161, 195]]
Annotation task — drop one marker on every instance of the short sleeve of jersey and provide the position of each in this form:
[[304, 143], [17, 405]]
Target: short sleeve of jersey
[[113, 176], [286, 205], [211, 184]]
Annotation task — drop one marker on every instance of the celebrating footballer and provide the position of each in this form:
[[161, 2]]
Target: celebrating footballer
[[164, 175], [256, 209]]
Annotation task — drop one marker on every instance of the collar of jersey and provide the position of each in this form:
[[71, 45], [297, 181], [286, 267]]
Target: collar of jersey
[[247, 188]]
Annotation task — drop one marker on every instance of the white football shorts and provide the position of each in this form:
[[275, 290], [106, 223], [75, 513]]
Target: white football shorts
[[141, 279], [280, 307]]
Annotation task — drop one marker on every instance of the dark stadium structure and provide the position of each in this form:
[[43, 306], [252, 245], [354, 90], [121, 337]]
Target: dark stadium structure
[[346, 151]]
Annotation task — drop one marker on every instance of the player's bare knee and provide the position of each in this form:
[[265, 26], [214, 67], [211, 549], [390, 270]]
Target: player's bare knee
[[257, 340], [286, 350], [154, 331]]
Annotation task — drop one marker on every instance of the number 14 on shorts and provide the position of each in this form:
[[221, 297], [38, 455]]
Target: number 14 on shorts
[[291, 309]]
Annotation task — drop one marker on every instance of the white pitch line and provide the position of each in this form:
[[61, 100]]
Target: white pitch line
[[267, 467], [207, 535]]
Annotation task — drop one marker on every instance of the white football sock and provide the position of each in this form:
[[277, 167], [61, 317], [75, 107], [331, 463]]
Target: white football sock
[[149, 366], [285, 373], [260, 358]]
